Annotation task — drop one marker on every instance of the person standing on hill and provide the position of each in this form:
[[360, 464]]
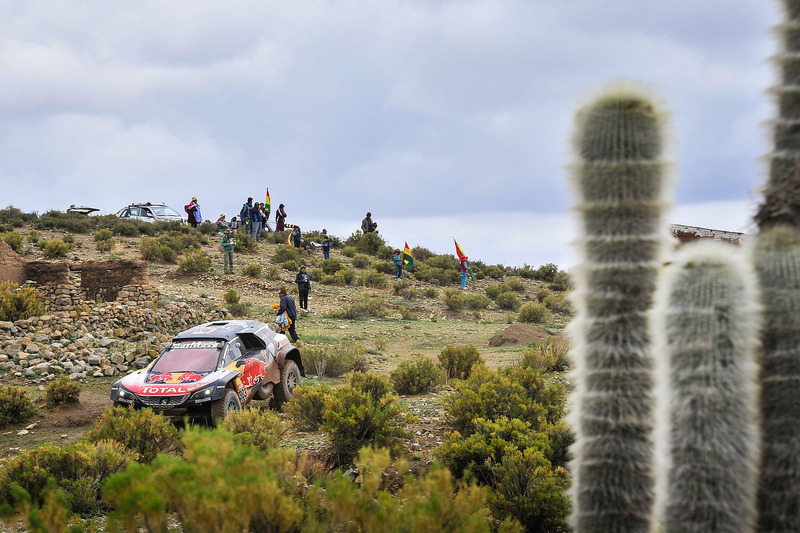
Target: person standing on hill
[[464, 268], [367, 225], [228, 243], [280, 218], [303, 287], [297, 237], [264, 218], [326, 247], [193, 212], [255, 220], [244, 216], [398, 264], [287, 306]]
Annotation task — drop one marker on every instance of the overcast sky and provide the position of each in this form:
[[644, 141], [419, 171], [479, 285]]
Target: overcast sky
[[443, 118]]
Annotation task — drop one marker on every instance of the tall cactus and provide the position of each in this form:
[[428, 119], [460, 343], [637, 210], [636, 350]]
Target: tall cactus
[[619, 182], [778, 266], [705, 338]]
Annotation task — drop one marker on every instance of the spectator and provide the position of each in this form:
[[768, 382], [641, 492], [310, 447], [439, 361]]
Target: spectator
[[297, 237], [228, 243], [265, 218], [222, 225], [255, 221], [367, 225], [244, 216], [193, 215], [326, 246], [398, 264], [280, 218], [234, 223], [464, 269], [303, 287], [287, 306]]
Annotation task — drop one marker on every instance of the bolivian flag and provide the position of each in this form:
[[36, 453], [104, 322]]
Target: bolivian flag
[[267, 204], [462, 257], [407, 258]]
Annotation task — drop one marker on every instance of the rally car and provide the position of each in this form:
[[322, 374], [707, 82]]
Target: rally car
[[213, 369]]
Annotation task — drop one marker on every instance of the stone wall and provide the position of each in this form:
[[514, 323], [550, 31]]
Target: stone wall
[[12, 266]]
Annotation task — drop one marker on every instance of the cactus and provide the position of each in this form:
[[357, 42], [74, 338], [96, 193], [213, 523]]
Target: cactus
[[705, 339], [620, 183]]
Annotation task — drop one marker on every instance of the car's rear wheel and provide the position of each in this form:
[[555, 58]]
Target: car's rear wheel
[[224, 406], [290, 378]]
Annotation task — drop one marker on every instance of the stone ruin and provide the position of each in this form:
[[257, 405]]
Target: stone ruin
[[66, 285]]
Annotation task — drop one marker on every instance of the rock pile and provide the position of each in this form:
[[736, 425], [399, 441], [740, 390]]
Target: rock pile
[[102, 340]]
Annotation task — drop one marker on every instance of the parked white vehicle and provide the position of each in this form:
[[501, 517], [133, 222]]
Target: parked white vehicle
[[151, 212]]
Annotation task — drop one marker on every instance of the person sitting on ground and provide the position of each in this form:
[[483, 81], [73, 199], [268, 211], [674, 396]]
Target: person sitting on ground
[[367, 225], [222, 224]]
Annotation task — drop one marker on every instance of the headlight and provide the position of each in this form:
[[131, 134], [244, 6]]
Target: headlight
[[125, 395], [202, 394]]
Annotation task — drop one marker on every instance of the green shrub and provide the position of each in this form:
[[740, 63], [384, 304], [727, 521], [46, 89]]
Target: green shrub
[[349, 251], [546, 272], [335, 360], [344, 276], [418, 376], [18, 303], [15, 406], [477, 301], [365, 306], [361, 261], [57, 248], [532, 312], [194, 262], [140, 431], [494, 272], [239, 309], [290, 265], [370, 244], [307, 408], [407, 314], [507, 300], [385, 268], [331, 266], [255, 427], [458, 361], [69, 238], [13, 240], [561, 282], [62, 391], [153, 250], [245, 243], [515, 284], [252, 270], [541, 294], [454, 300], [272, 273], [354, 419], [286, 253], [372, 278], [551, 356], [430, 292], [71, 222], [207, 228], [106, 245], [79, 471], [409, 293], [230, 296], [526, 272], [34, 236], [179, 241], [375, 385], [558, 303], [126, 229], [15, 217]]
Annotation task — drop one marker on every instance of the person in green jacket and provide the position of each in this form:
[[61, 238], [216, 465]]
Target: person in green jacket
[[228, 243]]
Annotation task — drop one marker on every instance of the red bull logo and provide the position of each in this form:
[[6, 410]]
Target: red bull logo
[[166, 377], [175, 377], [190, 377]]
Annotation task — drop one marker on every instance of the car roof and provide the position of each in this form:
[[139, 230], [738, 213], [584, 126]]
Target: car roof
[[228, 330], [145, 204]]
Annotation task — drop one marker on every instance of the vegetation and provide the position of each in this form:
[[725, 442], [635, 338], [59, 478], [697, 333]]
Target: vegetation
[[458, 361], [17, 303], [143, 433], [62, 391], [417, 376], [15, 406]]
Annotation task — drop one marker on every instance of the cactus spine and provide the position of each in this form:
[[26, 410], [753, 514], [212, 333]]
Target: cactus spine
[[620, 182], [778, 266], [705, 335]]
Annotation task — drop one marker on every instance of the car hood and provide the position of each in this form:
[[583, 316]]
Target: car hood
[[158, 384]]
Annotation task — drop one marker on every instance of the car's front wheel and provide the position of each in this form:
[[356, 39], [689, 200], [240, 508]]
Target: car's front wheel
[[226, 405], [290, 378]]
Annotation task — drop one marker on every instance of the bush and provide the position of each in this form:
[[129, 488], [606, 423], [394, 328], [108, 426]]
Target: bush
[[532, 312], [140, 431], [344, 276], [255, 427], [71, 222], [15, 407], [454, 300], [349, 251], [515, 284], [230, 296], [409, 293], [106, 245], [354, 419], [551, 356], [79, 471], [457, 361], [153, 250], [370, 244], [477, 301], [290, 265], [361, 261], [430, 292], [62, 391], [507, 300], [541, 294], [335, 360], [13, 240], [252, 270], [307, 408], [561, 282], [194, 262], [57, 248], [286, 253], [418, 376], [34, 236], [407, 314], [494, 272], [373, 384], [365, 306], [558, 304], [331, 266], [238, 309], [385, 268], [245, 243], [272, 273], [18, 303], [372, 278]]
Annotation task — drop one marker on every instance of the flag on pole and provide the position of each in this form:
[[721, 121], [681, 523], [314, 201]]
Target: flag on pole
[[407, 258], [463, 257], [267, 205]]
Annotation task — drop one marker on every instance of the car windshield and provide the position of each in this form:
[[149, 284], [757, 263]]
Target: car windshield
[[188, 357], [164, 211]]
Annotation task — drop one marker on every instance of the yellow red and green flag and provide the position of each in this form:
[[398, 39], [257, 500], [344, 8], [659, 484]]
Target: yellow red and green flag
[[267, 204], [463, 257], [408, 259]]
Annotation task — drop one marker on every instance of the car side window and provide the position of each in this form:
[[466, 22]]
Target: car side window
[[147, 213], [134, 211], [233, 352]]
